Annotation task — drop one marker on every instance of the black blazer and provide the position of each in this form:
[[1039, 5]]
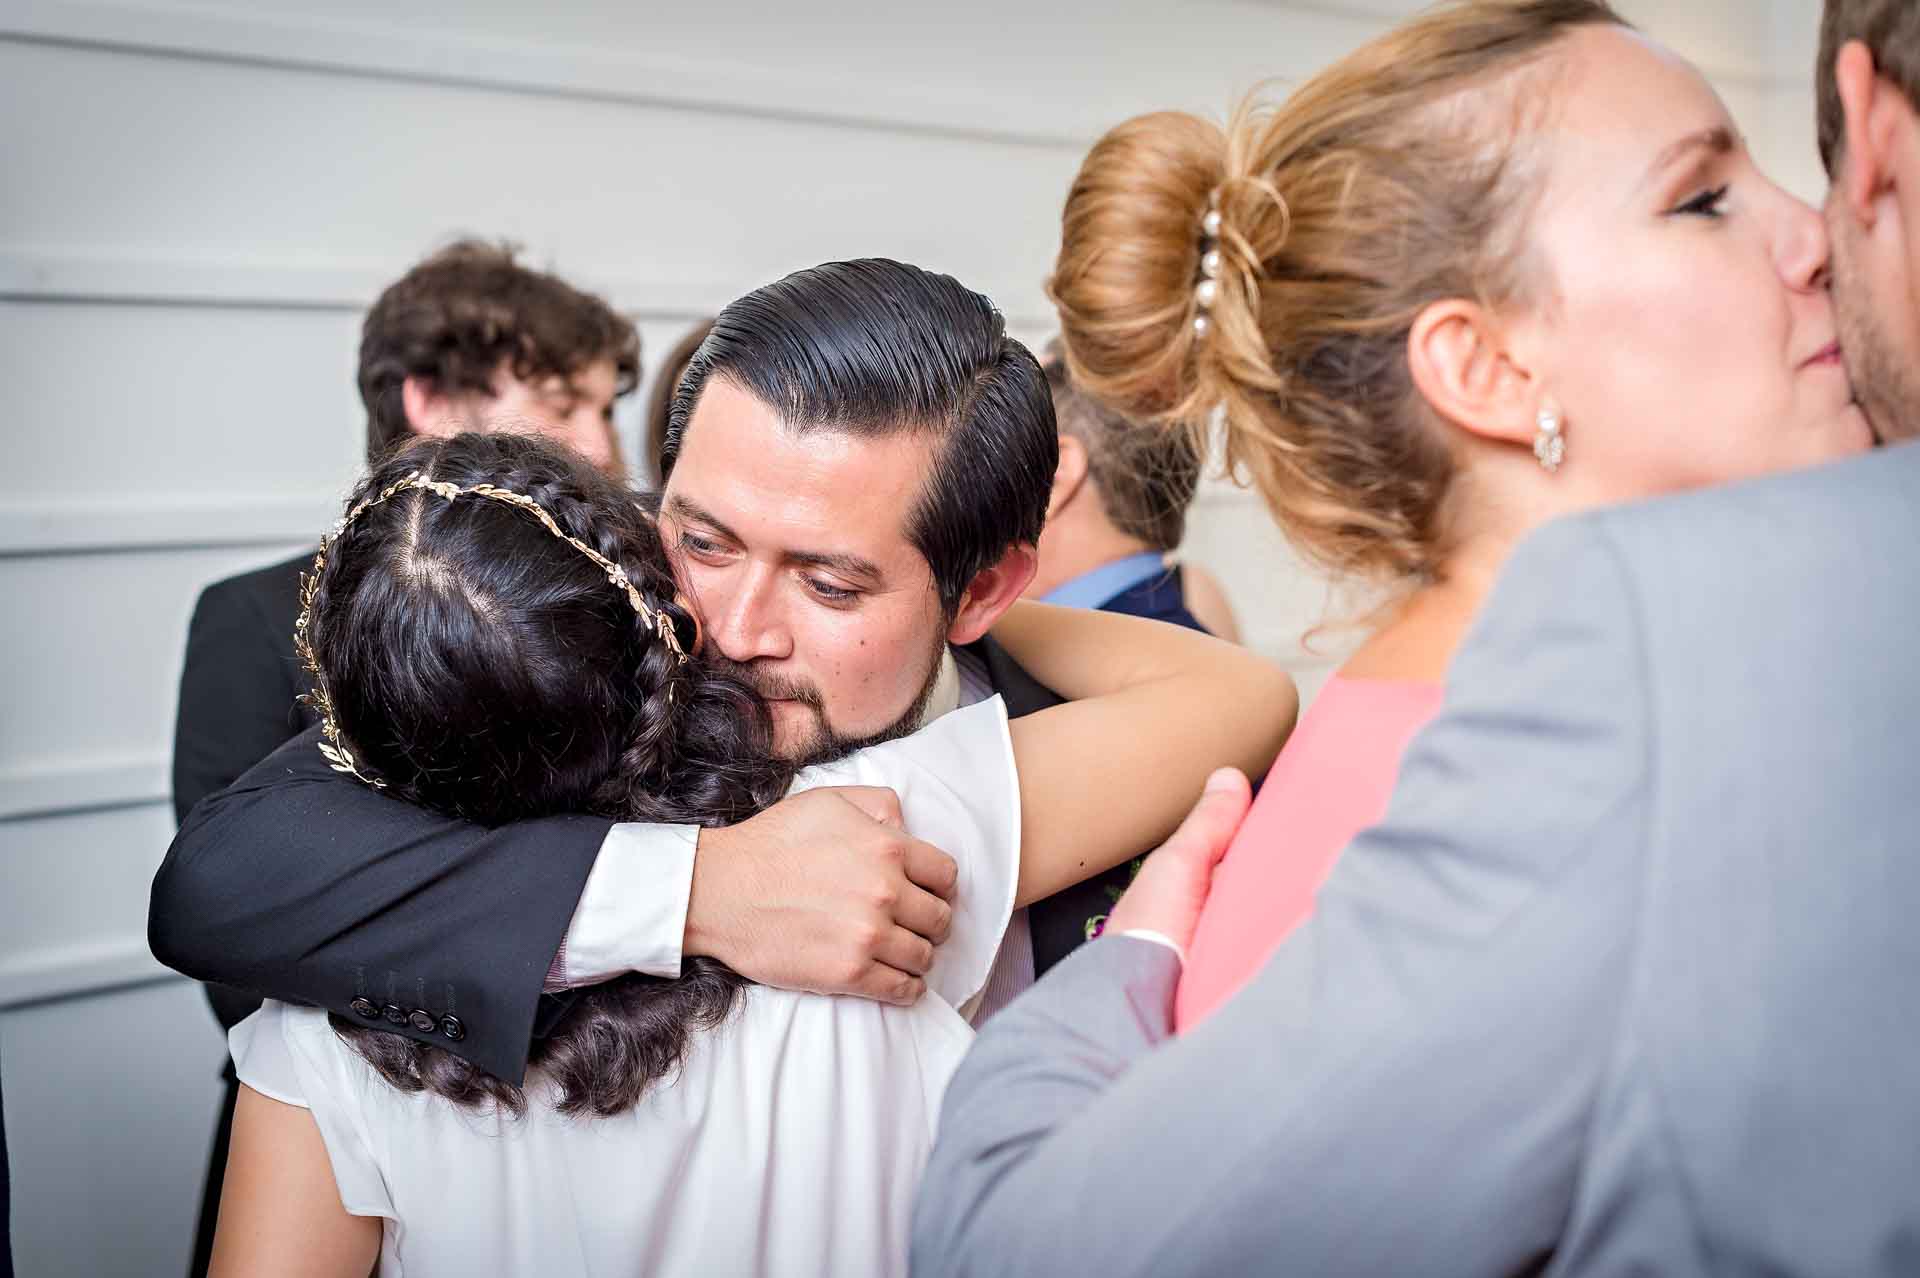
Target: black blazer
[[238, 700], [303, 884], [239, 685]]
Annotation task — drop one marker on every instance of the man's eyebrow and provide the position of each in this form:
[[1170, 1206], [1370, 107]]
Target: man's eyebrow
[[686, 509], [682, 508], [845, 565], [1718, 140]]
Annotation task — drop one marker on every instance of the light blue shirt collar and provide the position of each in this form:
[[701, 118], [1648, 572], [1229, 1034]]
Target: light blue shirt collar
[[1091, 589]]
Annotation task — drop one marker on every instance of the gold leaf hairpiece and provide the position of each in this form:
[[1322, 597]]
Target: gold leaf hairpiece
[[334, 747]]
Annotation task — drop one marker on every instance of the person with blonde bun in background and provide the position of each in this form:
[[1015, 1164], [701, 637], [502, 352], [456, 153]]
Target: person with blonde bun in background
[[1618, 982], [1477, 275]]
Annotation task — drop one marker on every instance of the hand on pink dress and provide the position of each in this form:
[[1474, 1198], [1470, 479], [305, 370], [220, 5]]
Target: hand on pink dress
[[1167, 894]]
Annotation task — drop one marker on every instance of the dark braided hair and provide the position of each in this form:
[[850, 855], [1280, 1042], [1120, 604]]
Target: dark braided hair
[[482, 667]]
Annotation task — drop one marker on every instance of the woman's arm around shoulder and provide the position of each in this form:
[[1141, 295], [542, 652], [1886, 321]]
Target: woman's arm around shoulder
[[1152, 710]]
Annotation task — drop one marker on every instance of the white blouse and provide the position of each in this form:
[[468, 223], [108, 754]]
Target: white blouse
[[791, 1142]]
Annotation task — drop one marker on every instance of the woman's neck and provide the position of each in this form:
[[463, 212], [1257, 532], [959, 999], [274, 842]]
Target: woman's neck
[[1419, 637]]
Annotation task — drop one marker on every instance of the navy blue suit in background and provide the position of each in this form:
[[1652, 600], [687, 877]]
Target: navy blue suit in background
[[1070, 914], [1160, 598]]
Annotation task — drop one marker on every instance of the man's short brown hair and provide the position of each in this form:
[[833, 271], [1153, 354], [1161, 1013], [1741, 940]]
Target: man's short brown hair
[[1146, 474], [459, 316], [1891, 31]]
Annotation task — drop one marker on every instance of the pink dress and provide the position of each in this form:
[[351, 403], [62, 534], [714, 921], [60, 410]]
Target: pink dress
[[1331, 781]]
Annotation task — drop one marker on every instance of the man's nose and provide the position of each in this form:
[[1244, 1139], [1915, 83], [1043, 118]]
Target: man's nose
[[1802, 249], [747, 624]]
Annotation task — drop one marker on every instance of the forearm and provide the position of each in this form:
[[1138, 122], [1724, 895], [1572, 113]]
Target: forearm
[[304, 885], [1083, 652], [1105, 777], [1039, 1066]]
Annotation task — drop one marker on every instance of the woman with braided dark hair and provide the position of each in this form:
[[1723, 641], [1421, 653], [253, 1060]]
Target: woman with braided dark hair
[[494, 631]]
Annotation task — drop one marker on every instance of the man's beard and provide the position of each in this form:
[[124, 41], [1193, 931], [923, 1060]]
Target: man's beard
[[826, 745], [1883, 384]]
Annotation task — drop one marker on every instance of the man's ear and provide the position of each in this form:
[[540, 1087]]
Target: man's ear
[[1867, 106], [428, 410], [1459, 356], [991, 592], [1068, 475]]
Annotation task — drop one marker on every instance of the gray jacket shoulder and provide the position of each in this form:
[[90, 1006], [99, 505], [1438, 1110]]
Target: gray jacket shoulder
[[1759, 1060]]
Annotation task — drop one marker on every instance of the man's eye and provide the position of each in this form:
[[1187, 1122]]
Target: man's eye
[[830, 592], [697, 545]]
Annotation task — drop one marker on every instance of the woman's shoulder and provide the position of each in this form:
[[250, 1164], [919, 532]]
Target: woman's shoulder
[[960, 792], [970, 745]]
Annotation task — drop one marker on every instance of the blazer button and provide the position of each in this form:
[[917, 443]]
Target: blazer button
[[365, 1008], [421, 1021], [452, 1028], [394, 1013]]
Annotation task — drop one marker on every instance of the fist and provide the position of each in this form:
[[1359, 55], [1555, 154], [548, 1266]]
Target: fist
[[824, 891]]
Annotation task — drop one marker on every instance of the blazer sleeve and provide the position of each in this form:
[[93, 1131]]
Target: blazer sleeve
[[305, 885], [236, 694], [1405, 1086]]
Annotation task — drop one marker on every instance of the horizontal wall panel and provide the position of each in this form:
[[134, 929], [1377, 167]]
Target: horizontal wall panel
[[174, 407], [36, 788], [77, 890], [93, 645], [110, 1110], [1075, 68], [148, 521], [227, 164], [251, 287]]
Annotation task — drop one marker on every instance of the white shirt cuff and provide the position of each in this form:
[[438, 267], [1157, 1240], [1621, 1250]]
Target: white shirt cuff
[[632, 916], [1158, 938]]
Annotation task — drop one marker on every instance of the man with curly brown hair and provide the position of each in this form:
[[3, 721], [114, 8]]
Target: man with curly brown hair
[[469, 336]]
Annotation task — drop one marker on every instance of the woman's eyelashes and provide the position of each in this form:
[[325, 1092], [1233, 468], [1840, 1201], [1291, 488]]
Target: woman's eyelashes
[[1704, 204]]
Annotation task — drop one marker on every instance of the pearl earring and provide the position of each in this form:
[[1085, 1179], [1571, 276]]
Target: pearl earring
[[1549, 445]]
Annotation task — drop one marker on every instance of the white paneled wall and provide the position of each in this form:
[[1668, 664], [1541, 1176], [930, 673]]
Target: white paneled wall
[[198, 199]]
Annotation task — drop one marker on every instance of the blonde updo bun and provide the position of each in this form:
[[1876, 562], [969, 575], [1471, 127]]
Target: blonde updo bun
[[1385, 184]]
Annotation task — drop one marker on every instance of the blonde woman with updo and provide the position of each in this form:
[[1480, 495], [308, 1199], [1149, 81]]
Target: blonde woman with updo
[[1510, 261]]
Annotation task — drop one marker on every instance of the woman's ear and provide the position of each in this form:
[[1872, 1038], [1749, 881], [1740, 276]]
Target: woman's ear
[[1462, 365], [1069, 474]]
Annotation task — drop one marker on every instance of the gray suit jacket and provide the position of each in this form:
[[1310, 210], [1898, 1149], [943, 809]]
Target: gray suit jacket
[[1615, 988]]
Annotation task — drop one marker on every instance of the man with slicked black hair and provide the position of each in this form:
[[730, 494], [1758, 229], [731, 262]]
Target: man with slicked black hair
[[858, 468]]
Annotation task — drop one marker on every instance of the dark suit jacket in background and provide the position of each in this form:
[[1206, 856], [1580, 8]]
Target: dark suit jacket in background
[[306, 885], [1061, 923], [1161, 597], [239, 685], [239, 690]]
